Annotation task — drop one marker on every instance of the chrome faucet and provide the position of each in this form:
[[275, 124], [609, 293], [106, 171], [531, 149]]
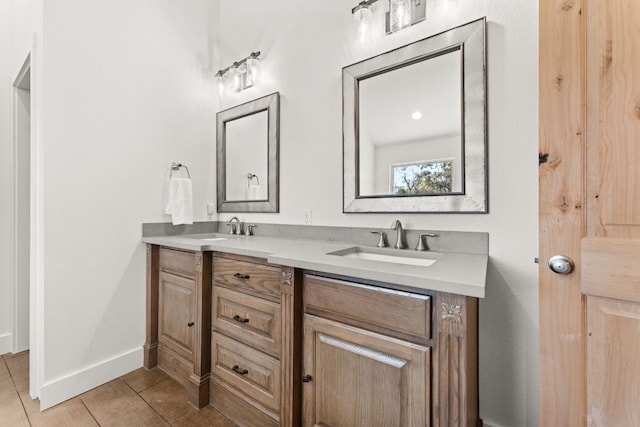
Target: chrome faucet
[[397, 225], [235, 227]]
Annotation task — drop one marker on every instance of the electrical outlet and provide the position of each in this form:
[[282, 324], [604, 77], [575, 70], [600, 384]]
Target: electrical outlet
[[307, 217], [211, 208]]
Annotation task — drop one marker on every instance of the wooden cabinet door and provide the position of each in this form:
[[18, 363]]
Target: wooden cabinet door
[[360, 378], [590, 211], [176, 314]]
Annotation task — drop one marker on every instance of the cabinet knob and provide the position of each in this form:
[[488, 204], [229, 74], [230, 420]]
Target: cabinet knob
[[306, 379], [190, 324], [241, 276]]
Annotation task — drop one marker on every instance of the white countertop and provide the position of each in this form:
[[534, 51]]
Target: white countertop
[[453, 272]]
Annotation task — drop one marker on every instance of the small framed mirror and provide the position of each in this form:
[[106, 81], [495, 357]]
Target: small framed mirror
[[414, 126], [248, 138]]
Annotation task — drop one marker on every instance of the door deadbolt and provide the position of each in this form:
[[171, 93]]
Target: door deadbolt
[[561, 264]]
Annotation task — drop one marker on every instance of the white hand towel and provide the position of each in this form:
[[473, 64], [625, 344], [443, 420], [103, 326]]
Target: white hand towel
[[253, 192], [180, 205]]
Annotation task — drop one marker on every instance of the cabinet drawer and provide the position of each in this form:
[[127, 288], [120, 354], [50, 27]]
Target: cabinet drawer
[[400, 313], [252, 320], [251, 372], [179, 262], [259, 278]]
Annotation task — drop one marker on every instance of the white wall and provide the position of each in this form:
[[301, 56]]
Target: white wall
[[6, 295], [127, 89], [304, 46], [18, 20]]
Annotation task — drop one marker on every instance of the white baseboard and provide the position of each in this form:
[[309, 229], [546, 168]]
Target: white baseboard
[[6, 343], [64, 388]]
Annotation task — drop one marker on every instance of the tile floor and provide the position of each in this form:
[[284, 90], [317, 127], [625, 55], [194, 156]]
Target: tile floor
[[140, 398]]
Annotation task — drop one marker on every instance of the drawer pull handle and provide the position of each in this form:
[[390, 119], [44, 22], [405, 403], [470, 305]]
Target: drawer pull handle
[[241, 276], [190, 324], [237, 370], [306, 379], [237, 318]]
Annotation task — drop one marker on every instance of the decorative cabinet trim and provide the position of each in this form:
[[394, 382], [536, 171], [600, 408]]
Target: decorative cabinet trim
[[451, 312], [287, 278], [198, 262]]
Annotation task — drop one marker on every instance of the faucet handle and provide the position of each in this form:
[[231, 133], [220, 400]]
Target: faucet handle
[[249, 229], [382, 242], [232, 227], [421, 245]]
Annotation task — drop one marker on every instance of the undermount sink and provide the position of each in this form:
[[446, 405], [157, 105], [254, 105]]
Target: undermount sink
[[212, 239], [386, 255]]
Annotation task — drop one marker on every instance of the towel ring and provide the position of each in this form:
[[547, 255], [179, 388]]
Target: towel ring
[[176, 167], [250, 176]]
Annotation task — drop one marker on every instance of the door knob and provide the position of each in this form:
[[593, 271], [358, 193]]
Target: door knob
[[561, 264]]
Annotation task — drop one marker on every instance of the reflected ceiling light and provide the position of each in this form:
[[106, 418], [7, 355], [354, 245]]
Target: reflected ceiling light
[[417, 115], [240, 75]]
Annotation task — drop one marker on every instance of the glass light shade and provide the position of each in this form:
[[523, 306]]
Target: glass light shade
[[362, 21], [242, 76], [253, 71], [234, 79], [242, 68], [222, 85], [399, 14]]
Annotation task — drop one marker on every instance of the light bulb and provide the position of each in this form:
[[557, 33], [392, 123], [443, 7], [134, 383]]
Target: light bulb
[[253, 71], [399, 14], [362, 17]]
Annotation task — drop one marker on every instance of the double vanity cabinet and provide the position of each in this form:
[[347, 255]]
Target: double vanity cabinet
[[275, 345]]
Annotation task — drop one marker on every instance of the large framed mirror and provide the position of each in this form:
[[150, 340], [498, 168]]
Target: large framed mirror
[[414, 126], [247, 156]]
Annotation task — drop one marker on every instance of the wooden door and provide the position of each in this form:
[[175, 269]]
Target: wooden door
[[177, 314], [590, 211], [362, 379]]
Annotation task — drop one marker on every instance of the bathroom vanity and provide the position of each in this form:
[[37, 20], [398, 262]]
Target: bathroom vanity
[[285, 332]]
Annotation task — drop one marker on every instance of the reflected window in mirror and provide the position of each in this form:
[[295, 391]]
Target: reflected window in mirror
[[414, 126], [247, 156], [426, 177]]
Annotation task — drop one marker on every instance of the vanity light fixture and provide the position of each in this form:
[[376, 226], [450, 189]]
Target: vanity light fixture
[[417, 115], [399, 15], [240, 75]]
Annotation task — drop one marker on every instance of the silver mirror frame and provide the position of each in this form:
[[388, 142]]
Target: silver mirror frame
[[471, 40], [271, 104]]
